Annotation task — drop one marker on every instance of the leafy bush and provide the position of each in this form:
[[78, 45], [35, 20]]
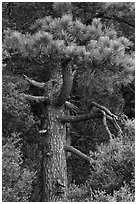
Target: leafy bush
[[16, 180], [123, 195], [16, 111], [77, 193], [84, 194], [129, 131], [115, 165]]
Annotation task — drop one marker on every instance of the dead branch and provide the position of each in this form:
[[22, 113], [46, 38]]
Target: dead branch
[[79, 153], [117, 126], [34, 83], [105, 125], [104, 109], [37, 99], [71, 106], [79, 118], [93, 115]]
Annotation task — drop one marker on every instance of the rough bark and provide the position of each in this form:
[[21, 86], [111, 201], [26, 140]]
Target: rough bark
[[55, 158], [54, 173]]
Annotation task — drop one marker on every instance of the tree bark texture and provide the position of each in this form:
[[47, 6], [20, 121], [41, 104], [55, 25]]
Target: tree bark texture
[[55, 182], [54, 168]]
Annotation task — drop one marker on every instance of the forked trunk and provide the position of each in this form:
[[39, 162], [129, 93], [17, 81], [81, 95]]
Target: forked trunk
[[53, 134]]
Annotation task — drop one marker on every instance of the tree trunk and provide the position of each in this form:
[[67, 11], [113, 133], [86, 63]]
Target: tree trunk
[[53, 134], [54, 157]]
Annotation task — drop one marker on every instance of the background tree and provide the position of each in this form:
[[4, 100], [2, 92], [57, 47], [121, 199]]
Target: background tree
[[76, 65]]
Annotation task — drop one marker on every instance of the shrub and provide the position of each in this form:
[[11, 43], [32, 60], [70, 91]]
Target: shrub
[[84, 194], [77, 193], [113, 177], [16, 180], [123, 195], [114, 166]]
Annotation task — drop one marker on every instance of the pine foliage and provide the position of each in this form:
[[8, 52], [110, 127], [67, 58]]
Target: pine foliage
[[62, 37]]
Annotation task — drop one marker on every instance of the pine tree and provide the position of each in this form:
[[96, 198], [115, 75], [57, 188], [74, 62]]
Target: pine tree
[[65, 47]]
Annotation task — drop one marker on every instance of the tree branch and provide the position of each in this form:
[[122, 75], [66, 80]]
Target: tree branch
[[79, 118], [79, 153], [71, 106], [112, 121], [121, 20], [37, 99], [92, 115], [115, 18], [105, 125], [112, 117], [117, 126], [68, 76], [104, 109], [34, 83]]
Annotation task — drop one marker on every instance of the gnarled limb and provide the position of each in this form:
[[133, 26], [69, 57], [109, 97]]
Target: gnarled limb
[[35, 83], [68, 76], [79, 153], [92, 115], [104, 109], [79, 118], [37, 99]]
